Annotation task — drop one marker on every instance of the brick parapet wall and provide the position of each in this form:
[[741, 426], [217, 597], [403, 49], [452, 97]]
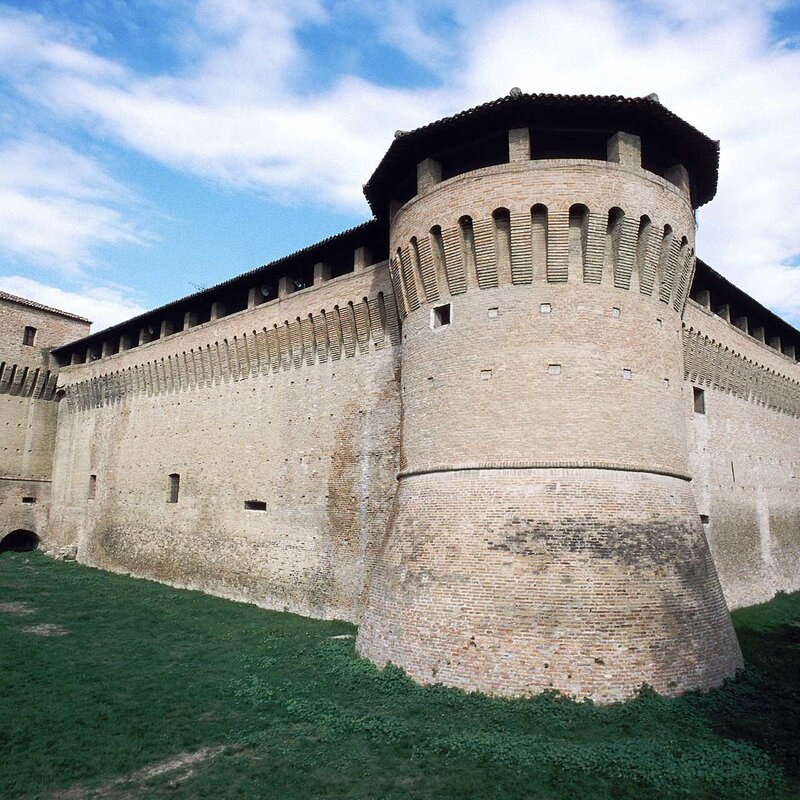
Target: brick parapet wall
[[719, 355], [284, 335], [619, 240]]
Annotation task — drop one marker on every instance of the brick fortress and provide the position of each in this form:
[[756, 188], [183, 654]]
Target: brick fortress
[[511, 426]]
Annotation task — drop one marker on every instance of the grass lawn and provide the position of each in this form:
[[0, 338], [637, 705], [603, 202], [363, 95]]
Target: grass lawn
[[121, 688]]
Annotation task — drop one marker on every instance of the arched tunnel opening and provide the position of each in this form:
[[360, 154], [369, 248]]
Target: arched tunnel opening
[[19, 541]]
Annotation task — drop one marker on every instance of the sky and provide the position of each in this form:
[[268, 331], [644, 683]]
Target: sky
[[149, 148]]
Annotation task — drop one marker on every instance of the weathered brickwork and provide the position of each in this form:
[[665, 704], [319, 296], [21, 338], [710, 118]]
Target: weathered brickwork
[[294, 409], [28, 411], [744, 456], [498, 425], [505, 530], [587, 581]]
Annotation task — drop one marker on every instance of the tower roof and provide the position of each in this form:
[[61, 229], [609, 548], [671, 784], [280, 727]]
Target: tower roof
[[643, 116]]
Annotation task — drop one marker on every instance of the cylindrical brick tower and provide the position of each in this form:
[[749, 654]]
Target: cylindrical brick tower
[[545, 534]]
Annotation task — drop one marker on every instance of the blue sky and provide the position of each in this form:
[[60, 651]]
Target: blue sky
[[149, 147]]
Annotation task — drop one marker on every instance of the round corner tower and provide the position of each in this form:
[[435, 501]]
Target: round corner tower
[[545, 534]]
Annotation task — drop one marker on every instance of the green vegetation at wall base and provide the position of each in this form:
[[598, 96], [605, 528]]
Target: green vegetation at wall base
[[122, 688]]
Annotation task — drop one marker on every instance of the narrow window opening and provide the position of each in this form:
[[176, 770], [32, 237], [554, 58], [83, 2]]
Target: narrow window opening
[[626, 374], [699, 396], [28, 501], [733, 473], [92, 487], [615, 312], [468, 247], [440, 316], [255, 505], [659, 324], [174, 488], [29, 336]]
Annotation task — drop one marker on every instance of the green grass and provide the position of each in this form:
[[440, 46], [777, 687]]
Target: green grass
[[145, 672]]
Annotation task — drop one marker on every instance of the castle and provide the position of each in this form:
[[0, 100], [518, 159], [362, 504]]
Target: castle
[[511, 426]]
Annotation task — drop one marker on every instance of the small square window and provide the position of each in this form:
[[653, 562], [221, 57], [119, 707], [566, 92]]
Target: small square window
[[699, 397], [486, 374], [545, 308], [554, 369], [255, 505], [29, 336], [615, 312], [493, 312], [28, 501], [440, 316], [626, 374], [704, 519]]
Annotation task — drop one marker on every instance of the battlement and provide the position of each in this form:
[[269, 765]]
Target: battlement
[[305, 271], [553, 244]]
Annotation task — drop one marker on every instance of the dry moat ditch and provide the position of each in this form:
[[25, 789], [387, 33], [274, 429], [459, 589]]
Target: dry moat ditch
[[121, 688]]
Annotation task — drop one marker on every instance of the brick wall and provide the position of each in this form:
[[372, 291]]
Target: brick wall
[[545, 533], [28, 410], [745, 456], [302, 416]]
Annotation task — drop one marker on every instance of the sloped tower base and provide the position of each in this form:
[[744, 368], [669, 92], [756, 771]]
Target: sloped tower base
[[591, 582]]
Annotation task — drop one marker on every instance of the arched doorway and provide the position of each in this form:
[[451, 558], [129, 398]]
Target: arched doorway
[[19, 541]]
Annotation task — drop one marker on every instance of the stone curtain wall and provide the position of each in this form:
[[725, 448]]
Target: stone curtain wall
[[744, 456], [286, 407]]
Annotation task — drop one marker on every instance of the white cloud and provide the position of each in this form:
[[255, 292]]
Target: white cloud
[[233, 112], [57, 205], [104, 306]]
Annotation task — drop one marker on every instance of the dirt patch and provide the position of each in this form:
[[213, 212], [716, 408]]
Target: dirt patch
[[133, 786], [17, 609], [46, 629]]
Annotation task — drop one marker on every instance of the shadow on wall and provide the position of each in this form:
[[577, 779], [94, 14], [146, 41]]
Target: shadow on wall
[[19, 541]]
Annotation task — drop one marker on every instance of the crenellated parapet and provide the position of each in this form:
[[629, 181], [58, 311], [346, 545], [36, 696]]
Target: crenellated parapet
[[335, 334], [541, 244], [28, 382]]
